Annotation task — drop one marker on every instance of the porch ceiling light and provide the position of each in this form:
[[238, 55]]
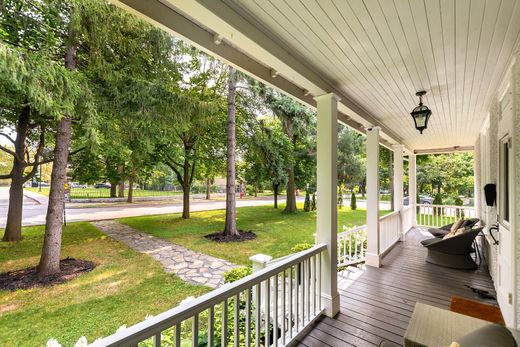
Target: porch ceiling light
[[421, 114]]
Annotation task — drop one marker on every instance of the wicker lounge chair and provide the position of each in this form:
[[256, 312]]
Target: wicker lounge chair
[[454, 252], [442, 231]]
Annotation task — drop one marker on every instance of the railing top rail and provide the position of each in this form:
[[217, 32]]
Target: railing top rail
[[393, 214], [449, 206], [150, 327], [353, 230]]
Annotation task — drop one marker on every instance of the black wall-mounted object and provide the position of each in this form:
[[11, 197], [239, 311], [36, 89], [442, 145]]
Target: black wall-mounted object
[[494, 228], [490, 190]]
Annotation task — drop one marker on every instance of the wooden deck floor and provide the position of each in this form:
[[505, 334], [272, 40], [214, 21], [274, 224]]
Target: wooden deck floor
[[376, 304]]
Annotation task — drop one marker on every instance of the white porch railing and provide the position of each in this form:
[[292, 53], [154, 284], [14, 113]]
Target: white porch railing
[[439, 215], [291, 291], [389, 230], [408, 217], [352, 243], [352, 246]]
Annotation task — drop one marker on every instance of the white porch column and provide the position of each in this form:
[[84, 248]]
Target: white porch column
[[412, 186], [327, 187], [398, 185], [372, 147]]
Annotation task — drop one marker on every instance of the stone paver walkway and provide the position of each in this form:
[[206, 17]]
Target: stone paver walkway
[[189, 265]]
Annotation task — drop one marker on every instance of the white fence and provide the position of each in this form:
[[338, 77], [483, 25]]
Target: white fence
[[268, 308], [352, 246], [439, 215]]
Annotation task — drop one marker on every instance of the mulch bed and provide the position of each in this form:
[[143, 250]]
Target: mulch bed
[[26, 278], [221, 237]]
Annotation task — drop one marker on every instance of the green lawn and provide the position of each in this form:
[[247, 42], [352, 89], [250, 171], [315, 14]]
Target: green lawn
[[93, 193], [124, 287], [276, 231]]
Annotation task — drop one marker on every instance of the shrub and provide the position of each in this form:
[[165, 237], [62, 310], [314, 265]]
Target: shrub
[[301, 247], [353, 204], [237, 273], [458, 202], [438, 201], [340, 197], [307, 203], [313, 202]]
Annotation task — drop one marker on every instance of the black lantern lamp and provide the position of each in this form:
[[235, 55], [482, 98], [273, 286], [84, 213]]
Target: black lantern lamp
[[421, 113]]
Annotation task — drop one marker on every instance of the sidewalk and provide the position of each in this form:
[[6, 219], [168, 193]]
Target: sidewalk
[[190, 266], [40, 199]]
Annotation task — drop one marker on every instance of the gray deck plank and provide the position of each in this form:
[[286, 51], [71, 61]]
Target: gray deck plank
[[378, 304]]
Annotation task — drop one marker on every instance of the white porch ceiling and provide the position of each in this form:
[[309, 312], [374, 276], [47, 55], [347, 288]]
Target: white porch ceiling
[[380, 52], [375, 54]]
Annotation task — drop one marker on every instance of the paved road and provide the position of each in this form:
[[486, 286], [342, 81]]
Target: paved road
[[4, 198], [34, 213]]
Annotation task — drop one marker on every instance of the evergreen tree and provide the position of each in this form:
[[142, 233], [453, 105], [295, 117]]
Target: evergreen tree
[[307, 203], [353, 203]]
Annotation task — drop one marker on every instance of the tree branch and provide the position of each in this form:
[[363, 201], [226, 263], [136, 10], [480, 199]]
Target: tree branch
[[8, 137], [192, 172], [37, 155], [177, 172], [50, 160], [7, 150]]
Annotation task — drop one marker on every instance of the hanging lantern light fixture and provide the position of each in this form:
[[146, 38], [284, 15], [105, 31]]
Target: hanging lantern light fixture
[[421, 114]]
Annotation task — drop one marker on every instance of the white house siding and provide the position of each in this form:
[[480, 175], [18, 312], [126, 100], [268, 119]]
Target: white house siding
[[486, 154], [487, 163], [515, 215]]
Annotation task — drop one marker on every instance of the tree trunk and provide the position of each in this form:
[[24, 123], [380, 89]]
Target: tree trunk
[[230, 227], [362, 190], [275, 191], [13, 227], [186, 200], [208, 188], [256, 189], [50, 259], [291, 191], [113, 189], [121, 185], [131, 179]]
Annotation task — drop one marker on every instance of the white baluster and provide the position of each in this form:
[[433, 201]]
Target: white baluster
[[284, 299], [211, 323], [248, 317], [195, 330], [224, 323], [236, 318]]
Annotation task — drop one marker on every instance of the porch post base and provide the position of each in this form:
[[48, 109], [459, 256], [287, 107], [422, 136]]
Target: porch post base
[[372, 260], [331, 304]]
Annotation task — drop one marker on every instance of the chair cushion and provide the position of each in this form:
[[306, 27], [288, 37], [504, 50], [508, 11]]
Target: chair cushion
[[493, 335], [470, 222], [430, 241], [438, 232], [457, 225]]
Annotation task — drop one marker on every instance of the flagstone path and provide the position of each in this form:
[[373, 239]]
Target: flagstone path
[[190, 266]]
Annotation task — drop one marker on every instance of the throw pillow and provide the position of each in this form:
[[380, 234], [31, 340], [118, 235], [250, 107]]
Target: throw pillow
[[457, 225]]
